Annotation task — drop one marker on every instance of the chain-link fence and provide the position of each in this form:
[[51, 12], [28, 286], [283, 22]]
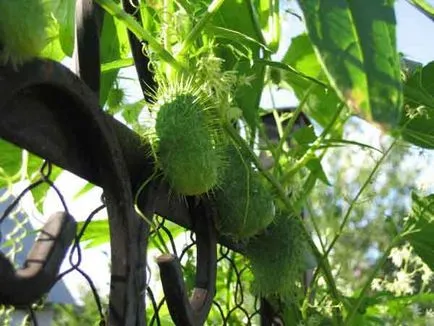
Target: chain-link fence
[[233, 303]]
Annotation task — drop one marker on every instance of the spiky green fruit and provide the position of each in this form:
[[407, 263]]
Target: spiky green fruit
[[22, 29], [187, 144], [244, 203], [277, 258]]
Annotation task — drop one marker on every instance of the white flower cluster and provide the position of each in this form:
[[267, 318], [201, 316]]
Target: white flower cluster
[[409, 266]]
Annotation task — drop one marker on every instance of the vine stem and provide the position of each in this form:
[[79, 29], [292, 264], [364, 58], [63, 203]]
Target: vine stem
[[359, 193], [113, 9], [310, 153], [198, 27], [145, 218], [324, 264], [371, 277]]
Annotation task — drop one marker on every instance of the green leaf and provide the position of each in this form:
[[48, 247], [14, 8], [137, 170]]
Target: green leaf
[[420, 228], [84, 190], [269, 17], [356, 44], [131, 112], [64, 12], [97, 233], [113, 46], [117, 64], [304, 135], [301, 57], [53, 50], [40, 191], [302, 70], [10, 162], [239, 16], [418, 120], [315, 167]]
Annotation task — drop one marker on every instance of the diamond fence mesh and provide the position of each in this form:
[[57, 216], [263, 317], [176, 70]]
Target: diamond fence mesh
[[233, 303]]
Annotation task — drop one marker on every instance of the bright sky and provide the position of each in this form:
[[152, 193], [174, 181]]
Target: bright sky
[[414, 32]]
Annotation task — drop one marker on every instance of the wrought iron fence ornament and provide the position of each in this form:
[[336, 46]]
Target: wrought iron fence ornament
[[26, 285], [50, 112], [193, 311]]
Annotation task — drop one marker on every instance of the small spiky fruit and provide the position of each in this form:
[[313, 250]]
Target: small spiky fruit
[[188, 147], [244, 203], [277, 258], [22, 30]]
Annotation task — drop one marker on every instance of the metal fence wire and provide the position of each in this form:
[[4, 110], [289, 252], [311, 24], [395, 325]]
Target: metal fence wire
[[233, 304], [20, 231]]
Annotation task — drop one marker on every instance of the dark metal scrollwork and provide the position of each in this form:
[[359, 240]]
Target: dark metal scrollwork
[[193, 311]]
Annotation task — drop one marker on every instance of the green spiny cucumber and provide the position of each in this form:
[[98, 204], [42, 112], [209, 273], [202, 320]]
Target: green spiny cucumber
[[244, 203], [277, 258], [22, 29], [188, 142]]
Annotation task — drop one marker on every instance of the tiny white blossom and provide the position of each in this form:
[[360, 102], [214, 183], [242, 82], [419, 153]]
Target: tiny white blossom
[[400, 255], [377, 284], [402, 284], [427, 274]]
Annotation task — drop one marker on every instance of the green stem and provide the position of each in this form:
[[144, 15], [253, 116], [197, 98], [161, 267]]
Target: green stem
[[255, 19], [198, 27], [184, 4], [313, 219], [310, 153], [359, 193], [368, 282], [291, 123], [167, 11], [113, 9], [144, 217]]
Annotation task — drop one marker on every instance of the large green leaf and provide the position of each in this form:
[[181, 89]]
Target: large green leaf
[[420, 227], [239, 16], [113, 46], [39, 193], [10, 161], [53, 50], [64, 12], [418, 120], [98, 233], [356, 44], [303, 138], [322, 102], [269, 17]]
